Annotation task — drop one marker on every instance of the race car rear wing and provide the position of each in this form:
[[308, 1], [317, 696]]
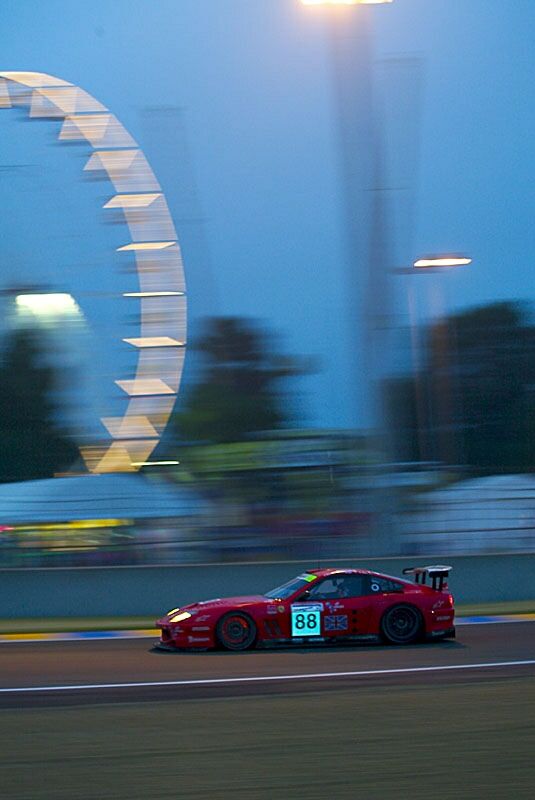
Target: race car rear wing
[[438, 575]]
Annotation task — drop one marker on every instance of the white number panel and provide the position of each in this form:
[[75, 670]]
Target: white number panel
[[306, 619]]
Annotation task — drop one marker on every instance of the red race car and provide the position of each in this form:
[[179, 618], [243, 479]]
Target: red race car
[[321, 605]]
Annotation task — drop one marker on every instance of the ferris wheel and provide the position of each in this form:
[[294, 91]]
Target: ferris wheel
[[129, 437]]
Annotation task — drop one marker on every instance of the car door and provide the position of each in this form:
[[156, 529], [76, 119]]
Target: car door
[[334, 607], [348, 613]]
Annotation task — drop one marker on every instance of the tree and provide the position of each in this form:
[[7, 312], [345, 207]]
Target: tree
[[238, 394], [31, 444], [475, 399], [494, 386]]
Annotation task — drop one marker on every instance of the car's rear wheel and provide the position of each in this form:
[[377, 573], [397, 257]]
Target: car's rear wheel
[[402, 624], [236, 631]]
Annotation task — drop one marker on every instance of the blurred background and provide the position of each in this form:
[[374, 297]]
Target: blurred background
[[351, 191]]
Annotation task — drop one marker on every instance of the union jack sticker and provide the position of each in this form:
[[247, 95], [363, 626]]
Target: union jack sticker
[[336, 622]]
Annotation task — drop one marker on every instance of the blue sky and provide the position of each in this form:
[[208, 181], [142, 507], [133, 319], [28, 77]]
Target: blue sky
[[251, 171]]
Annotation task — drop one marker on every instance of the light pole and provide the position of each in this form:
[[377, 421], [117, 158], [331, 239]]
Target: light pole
[[364, 216], [434, 406]]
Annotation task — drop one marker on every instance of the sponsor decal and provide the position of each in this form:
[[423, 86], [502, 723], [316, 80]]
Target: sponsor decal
[[272, 609], [281, 609], [200, 628], [308, 578], [334, 606], [203, 618], [336, 622], [307, 607], [198, 638], [375, 587]]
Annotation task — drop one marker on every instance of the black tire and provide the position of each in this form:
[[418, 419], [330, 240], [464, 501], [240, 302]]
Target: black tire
[[236, 631], [402, 624]]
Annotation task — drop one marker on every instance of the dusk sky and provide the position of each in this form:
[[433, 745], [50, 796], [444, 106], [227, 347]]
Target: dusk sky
[[247, 157]]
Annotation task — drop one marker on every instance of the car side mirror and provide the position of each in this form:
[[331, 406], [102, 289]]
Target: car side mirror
[[305, 595]]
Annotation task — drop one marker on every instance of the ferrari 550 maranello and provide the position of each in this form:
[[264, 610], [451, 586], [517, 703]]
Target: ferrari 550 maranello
[[323, 605]]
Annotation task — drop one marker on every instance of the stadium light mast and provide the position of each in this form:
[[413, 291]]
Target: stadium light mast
[[360, 163], [361, 170], [440, 400]]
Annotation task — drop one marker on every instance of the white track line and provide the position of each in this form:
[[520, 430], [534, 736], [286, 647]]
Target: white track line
[[265, 678]]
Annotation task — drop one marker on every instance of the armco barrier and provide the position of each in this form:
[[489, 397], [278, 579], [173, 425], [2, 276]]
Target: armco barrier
[[136, 591]]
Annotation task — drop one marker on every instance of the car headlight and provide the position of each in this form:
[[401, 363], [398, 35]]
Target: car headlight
[[180, 617], [173, 611]]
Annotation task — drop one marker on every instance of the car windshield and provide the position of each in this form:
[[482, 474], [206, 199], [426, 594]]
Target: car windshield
[[287, 589]]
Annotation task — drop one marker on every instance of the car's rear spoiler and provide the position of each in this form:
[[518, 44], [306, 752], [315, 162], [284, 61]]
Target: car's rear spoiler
[[438, 575]]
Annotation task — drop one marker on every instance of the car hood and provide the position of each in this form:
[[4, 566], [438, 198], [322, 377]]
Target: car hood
[[230, 602], [219, 604]]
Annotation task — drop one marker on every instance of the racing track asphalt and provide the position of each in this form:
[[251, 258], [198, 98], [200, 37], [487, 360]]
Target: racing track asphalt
[[102, 670]]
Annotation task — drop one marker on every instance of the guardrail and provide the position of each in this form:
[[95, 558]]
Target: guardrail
[[141, 590]]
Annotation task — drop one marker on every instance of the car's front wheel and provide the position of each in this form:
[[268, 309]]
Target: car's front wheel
[[402, 624], [236, 631]]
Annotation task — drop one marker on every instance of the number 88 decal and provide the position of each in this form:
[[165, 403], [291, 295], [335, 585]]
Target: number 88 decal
[[302, 622]]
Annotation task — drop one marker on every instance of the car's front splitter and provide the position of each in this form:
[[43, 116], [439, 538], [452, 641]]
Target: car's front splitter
[[170, 648]]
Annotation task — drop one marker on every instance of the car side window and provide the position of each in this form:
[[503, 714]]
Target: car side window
[[337, 587], [326, 589], [379, 585], [353, 586]]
